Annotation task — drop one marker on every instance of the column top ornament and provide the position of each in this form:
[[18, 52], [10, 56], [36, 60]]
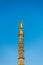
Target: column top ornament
[[21, 25]]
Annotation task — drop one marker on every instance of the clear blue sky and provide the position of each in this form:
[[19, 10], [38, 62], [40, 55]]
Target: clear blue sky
[[31, 11]]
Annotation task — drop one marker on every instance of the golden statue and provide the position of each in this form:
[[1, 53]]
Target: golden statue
[[21, 25]]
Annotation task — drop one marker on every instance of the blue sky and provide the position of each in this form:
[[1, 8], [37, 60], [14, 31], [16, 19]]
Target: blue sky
[[31, 12]]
